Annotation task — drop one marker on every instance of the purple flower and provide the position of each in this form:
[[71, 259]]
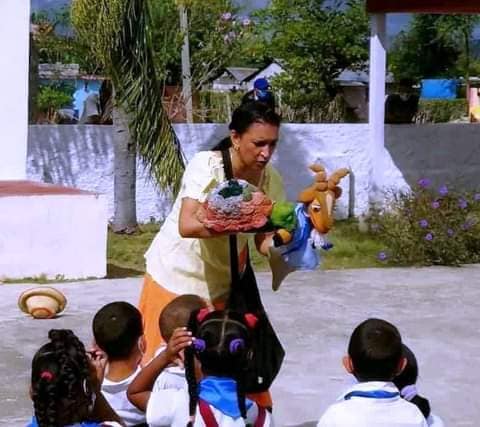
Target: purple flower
[[435, 204], [424, 183], [246, 22], [382, 256], [423, 223], [450, 232], [476, 197], [469, 223], [429, 237], [443, 190], [226, 16], [462, 203]]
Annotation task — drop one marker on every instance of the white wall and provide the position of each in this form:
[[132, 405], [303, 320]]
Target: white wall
[[82, 156], [59, 236], [14, 58]]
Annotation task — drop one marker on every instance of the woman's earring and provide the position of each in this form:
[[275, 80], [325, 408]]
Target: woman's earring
[[236, 147]]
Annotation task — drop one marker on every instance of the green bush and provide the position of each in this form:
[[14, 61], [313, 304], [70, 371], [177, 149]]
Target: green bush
[[441, 111], [429, 226], [217, 107]]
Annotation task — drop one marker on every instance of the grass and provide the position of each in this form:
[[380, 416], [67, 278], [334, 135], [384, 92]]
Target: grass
[[352, 249], [125, 251]]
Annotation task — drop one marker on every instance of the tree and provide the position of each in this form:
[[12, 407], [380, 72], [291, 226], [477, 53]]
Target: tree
[[434, 46], [459, 29], [315, 43], [216, 35], [118, 34], [54, 41]]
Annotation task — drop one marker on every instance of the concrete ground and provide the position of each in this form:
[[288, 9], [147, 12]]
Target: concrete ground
[[436, 310]]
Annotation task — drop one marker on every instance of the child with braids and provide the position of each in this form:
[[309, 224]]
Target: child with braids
[[65, 385], [219, 342], [406, 383]]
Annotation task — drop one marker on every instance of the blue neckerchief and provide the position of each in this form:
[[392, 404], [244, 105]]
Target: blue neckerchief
[[34, 423], [374, 394], [221, 393]]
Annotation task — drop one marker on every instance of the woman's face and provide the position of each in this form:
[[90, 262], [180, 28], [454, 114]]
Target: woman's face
[[256, 145]]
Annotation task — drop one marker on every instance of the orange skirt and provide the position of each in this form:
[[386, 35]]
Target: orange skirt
[[153, 299]]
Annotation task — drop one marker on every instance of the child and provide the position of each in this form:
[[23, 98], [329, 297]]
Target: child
[[219, 340], [175, 315], [65, 384], [118, 332], [374, 358], [406, 383]]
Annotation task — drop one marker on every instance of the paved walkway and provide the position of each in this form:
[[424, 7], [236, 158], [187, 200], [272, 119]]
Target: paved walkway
[[436, 310]]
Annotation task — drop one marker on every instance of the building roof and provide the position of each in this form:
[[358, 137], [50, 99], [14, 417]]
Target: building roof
[[241, 74], [423, 6], [357, 78]]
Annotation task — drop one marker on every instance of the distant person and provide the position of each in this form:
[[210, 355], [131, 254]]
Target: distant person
[[175, 315], [65, 385], [262, 92], [118, 332], [375, 357], [407, 384]]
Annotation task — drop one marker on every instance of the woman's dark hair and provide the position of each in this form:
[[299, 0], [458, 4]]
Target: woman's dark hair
[[61, 388], [246, 115], [225, 339], [409, 377]]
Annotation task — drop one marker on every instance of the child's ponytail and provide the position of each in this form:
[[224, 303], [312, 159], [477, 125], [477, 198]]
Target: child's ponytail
[[406, 381]]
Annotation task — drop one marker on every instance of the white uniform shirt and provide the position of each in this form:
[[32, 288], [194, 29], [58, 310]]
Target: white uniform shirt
[[170, 408], [372, 412], [171, 377], [116, 395]]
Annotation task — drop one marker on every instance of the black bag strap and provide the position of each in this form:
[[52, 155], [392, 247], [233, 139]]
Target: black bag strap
[[235, 275]]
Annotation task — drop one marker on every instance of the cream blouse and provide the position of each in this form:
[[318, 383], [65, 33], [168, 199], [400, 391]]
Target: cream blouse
[[199, 266]]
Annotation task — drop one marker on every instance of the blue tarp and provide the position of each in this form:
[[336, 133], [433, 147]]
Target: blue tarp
[[439, 89]]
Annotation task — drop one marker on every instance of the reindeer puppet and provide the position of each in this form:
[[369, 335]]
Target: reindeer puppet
[[314, 213]]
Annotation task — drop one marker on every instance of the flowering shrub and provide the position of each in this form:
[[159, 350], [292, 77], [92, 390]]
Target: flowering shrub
[[429, 226]]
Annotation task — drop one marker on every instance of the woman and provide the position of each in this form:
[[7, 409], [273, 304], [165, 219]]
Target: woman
[[186, 257]]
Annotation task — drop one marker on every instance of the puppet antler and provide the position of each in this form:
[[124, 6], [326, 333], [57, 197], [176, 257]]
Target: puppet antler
[[336, 176]]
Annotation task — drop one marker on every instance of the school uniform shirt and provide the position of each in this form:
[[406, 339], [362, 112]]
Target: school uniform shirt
[[116, 395], [372, 404], [171, 407], [171, 377]]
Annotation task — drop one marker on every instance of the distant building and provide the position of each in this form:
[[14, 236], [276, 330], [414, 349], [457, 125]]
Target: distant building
[[233, 78]]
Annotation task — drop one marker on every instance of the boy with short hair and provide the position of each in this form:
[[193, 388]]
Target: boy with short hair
[[374, 357], [118, 332], [175, 315]]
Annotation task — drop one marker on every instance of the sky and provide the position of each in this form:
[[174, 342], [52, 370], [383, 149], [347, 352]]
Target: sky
[[395, 23]]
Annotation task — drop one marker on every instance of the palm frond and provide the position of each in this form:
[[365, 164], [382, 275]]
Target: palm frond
[[118, 32]]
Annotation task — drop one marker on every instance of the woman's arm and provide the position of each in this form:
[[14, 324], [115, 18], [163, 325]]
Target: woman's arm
[[141, 387], [190, 221]]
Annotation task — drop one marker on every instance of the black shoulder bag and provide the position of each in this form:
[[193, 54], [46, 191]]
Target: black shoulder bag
[[267, 352]]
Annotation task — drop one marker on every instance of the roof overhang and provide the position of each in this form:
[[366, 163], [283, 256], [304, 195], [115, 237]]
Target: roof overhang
[[423, 6]]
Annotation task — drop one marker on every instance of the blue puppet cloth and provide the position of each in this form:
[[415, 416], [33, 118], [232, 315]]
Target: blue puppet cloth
[[300, 253]]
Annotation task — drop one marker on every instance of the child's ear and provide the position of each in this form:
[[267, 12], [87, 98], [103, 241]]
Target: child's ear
[[142, 344], [348, 364], [401, 365]]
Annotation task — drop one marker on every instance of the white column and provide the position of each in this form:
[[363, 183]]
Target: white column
[[186, 69], [378, 66], [14, 60]]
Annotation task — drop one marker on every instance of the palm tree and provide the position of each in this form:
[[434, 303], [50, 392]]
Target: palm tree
[[118, 34]]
